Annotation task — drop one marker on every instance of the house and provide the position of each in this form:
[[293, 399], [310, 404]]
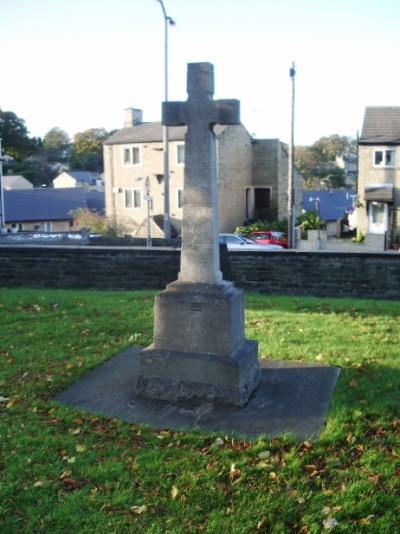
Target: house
[[88, 180], [47, 209], [16, 181], [378, 209], [252, 176], [332, 206]]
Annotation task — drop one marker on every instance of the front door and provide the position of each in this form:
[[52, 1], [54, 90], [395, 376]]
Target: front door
[[377, 217]]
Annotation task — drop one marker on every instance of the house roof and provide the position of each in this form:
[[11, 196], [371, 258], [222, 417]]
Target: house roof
[[47, 204], [11, 180], [381, 125], [333, 203], [151, 132]]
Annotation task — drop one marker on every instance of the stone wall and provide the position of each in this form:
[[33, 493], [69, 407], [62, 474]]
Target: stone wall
[[291, 273]]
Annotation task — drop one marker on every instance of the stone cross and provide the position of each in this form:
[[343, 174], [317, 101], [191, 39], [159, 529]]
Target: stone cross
[[200, 225]]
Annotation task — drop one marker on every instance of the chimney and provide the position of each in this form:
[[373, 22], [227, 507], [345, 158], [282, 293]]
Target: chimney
[[132, 117]]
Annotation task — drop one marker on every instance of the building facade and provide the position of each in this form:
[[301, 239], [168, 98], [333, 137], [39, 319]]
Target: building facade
[[378, 209], [252, 176]]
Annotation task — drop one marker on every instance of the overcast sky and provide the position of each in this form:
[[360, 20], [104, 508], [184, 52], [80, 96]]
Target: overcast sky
[[77, 64]]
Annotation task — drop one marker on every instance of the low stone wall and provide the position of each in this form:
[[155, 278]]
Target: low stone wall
[[286, 272]]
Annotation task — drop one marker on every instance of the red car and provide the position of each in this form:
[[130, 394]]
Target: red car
[[270, 238]]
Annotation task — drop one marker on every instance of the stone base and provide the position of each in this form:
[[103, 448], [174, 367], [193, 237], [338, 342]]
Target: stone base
[[293, 397], [199, 377]]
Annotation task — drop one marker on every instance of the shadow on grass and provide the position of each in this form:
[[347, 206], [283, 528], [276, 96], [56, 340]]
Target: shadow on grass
[[353, 307]]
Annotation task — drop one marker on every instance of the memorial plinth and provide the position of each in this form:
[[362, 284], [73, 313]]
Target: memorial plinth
[[199, 352]]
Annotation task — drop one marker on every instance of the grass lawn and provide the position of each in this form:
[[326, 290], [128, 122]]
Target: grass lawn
[[63, 471]]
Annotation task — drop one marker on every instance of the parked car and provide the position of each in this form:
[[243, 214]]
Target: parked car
[[238, 242], [270, 238]]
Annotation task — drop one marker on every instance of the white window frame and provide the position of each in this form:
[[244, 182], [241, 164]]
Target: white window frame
[[128, 162], [180, 146], [135, 194], [179, 192], [384, 152]]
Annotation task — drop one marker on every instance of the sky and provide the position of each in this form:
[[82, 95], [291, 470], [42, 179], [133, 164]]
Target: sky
[[78, 64]]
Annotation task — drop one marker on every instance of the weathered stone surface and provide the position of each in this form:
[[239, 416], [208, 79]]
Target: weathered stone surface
[[199, 377], [199, 351], [292, 397]]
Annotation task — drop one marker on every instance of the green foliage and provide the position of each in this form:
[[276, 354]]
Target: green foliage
[[259, 226], [310, 220], [66, 470], [14, 135], [317, 163], [360, 238], [87, 151], [56, 144], [99, 224]]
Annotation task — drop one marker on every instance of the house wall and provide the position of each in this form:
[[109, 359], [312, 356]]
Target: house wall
[[64, 180], [368, 174], [119, 176], [271, 169], [288, 273], [234, 175]]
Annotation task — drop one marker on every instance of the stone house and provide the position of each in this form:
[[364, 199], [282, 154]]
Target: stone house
[[88, 180], [47, 209], [252, 176], [378, 212]]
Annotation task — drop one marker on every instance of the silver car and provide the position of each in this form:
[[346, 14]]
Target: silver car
[[236, 242]]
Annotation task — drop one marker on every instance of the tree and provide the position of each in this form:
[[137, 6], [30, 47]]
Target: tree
[[96, 223], [56, 144], [14, 135], [317, 163], [87, 151]]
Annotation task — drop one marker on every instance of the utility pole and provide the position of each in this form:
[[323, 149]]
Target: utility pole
[[291, 199], [2, 214]]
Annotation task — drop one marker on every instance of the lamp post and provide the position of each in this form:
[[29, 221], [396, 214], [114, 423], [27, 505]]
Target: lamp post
[[291, 189], [168, 21], [2, 214], [148, 199]]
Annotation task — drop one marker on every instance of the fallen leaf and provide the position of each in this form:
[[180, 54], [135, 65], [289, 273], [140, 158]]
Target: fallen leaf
[[261, 523], [4, 399], [263, 455], [139, 509], [374, 479], [64, 474], [234, 473], [330, 523], [219, 442], [80, 448], [38, 484], [174, 492], [272, 475]]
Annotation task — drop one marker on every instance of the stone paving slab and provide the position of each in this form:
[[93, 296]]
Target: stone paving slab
[[293, 397]]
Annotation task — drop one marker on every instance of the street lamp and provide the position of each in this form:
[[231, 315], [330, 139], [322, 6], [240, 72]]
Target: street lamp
[[148, 199], [168, 21]]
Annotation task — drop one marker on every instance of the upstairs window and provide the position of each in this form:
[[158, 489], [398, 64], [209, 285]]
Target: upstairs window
[[132, 156], [180, 154], [179, 198], [133, 198], [384, 158]]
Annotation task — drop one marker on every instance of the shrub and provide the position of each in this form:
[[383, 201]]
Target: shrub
[[260, 226]]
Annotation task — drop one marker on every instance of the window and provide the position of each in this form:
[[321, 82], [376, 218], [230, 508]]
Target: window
[[384, 158], [132, 156], [160, 178], [180, 154], [135, 155], [133, 198], [179, 198]]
